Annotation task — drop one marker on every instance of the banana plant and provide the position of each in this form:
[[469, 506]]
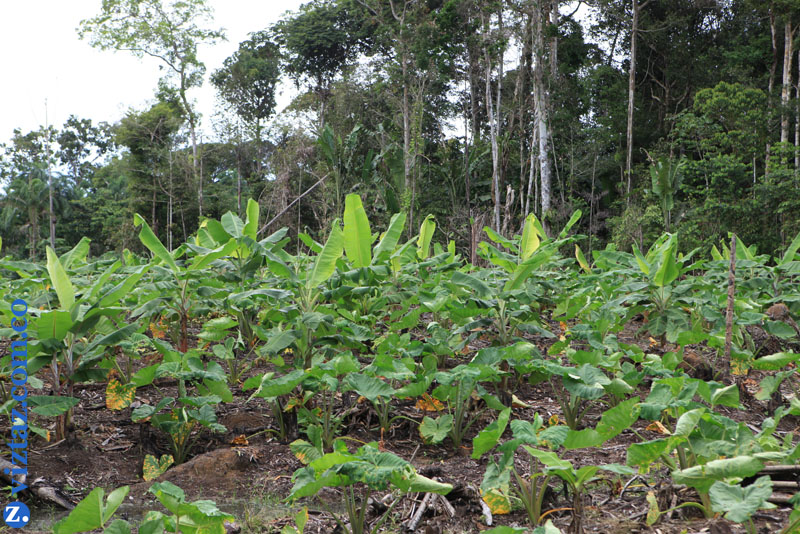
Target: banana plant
[[666, 177], [176, 302], [505, 293], [74, 335], [305, 282], [666, 298]]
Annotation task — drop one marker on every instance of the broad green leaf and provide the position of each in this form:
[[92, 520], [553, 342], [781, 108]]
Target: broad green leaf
[[524, 269], [60, 281], [488, 437], [779, 329], [325, 264], [611, 424], [119, 526], [791, 251], [480, 289], [149, 239], [77, 254], [435, 430], [548, 458], [357, 233], [503, 529], [649, 452], [91, 513], [251, 226], [702, 477], [643, 265], [668, 270], [776, 361], [53, 324], [421, 484], [232, 224], [530, 238], [122, 289], [426, 230], [576, 215], [203, 260], [688, 421], [369, 387], [390, 239], [51, 406], [273, 387], [727, 396], [499, 239], [740, 503]]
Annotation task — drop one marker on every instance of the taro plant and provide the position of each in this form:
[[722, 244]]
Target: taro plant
[[93, 512], [579, 387], [181, 420], [321, 386], [528, 485], [368, 468], [577, 480], [702, 447], [186, 517], [455, 391]]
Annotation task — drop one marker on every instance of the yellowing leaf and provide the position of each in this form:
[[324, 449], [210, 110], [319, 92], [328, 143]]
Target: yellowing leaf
[[497, 501], [240, 441], [738, 367], [517, 403], [553, 421], [154, 468], [656, 426], [157, 332], [582, 259], [429, 404], [118, 395], [653, 513]]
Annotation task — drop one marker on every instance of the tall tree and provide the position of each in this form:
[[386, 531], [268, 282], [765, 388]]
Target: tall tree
[[636, 7], [247, 83], [169, 32]]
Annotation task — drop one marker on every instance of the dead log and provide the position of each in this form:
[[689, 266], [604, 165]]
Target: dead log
[[39, 487]]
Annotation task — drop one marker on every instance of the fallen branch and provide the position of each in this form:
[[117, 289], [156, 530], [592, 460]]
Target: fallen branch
[[411, 526], [39, 487], [292, 203]]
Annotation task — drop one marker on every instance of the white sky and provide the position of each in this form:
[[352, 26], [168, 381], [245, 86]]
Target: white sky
[[44, 59]]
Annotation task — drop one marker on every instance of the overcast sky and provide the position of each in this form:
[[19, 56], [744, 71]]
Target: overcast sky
[[44, 59]]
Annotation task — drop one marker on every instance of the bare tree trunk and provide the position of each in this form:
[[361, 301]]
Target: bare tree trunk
[[541, 116], [631, 95], [788, 54], [725, 368], [554, 41], [493, 112], [772, 69], [797, 119], [51, 213]]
